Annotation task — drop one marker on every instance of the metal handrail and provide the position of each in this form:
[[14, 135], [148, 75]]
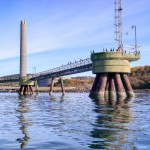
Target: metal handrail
[[68, 66]]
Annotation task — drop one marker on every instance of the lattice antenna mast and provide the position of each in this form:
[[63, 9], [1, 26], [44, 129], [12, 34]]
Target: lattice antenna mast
[[118, 24]]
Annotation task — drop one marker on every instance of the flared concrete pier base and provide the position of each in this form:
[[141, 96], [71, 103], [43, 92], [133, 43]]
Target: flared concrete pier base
[[121, 95], [130, 94], [112, 95], [111, 86], [100, 95], [112, 69], [92, 94], [26, 86], [26, 90], [106, 94]]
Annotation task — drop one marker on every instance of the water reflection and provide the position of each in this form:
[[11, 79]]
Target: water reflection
[[23, 109], [110, 129], [54, 98]]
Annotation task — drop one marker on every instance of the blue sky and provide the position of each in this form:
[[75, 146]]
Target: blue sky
[[59, 31]]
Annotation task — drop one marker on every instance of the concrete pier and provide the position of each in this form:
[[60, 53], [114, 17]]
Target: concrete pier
[[23, 50], [111, 69], [25, 83], [52, 85]]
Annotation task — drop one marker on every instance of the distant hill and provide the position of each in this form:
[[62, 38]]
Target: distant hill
[[140, 77]]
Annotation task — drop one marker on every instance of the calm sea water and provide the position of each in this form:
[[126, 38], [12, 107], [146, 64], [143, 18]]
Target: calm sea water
[[73, 122]]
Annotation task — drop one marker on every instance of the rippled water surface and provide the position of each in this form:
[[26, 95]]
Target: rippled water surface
[[73, 122]]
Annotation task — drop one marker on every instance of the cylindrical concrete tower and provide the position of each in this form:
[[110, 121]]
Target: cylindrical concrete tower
[[25, 83], [112, 69], [23, 49]]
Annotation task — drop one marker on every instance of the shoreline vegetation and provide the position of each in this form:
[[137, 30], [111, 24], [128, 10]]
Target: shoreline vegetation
[[139, 78]]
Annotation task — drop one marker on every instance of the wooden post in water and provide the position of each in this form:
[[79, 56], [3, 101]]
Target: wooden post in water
[[51, 87], [62, 86]]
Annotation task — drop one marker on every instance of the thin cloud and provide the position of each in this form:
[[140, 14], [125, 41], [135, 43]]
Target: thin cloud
[[85, 25], [64, 34]]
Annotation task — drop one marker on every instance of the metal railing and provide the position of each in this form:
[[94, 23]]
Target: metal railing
[[69, 65], [11, 77], [63, 68], [130, 49]]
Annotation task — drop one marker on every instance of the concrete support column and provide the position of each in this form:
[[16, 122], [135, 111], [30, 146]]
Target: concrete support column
[[62, 86], [119, 86], [30, 87], [102, 86], [95, 86], [51, 87], [26, 90], [106, 95], [36, 87], [112, 90], [22, 90], [24, 82], [127, 85], [23, 49]]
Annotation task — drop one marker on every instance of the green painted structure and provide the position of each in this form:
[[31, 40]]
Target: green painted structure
[[26, 86]]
